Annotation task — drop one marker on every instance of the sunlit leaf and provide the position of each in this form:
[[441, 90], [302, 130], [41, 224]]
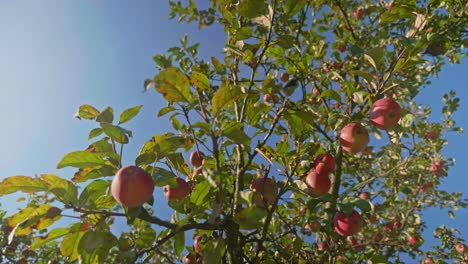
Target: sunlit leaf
[[24, 184], [81, 159], [129, 113], [173, 85]]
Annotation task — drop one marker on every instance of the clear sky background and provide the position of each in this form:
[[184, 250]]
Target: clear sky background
[[57, 55]]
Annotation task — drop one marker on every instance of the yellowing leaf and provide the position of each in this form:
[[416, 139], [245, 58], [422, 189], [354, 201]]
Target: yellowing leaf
[[199, 80], [226, 95], [173, 85], [22, 183]]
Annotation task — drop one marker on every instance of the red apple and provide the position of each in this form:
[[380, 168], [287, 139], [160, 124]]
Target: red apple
[[315, 91], [359, 13], [364, 195], [196, 158], [313, 226], [270, 98], [428, 260], [179, 192], [438, 168], [284, 77], [193, 259], [198, 244], [372, 219], [413, 240], [132, 186], [342, 47], [461, 248], [378, 238], [322, 246], [319, 184], [347, 225], [354, 138], [355, 244], [324, 163], [425, 187], [390, 6], [385, 113], [265, 191]]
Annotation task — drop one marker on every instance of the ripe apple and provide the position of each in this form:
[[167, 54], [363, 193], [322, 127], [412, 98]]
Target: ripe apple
[[438, 168], [461, 248], [197, 243], [196, 158], [364, 195], [324, 163], [264, 190], [347, 225], [284, 77], [313, 226], [179, 192], [322, 246], [385, 113], [428, 260], [191, 258], [132, 186], [270, 98], [319, 184], [425, 187], [378, 238], [342, 47], [413, 240], [354, 138], [390, 6], [359, 13]]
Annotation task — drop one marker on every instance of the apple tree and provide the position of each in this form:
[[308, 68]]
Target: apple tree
[[301, 143]]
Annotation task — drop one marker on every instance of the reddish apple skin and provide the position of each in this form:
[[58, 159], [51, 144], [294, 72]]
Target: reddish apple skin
[[196, 158], [461, 248], [364, 195], [431, 135], [322, 246], [428, 261], [181, 191], [132, 186], [413, 240], [284, 77], [385, 113], [319, 184], [347, 225], [313, 226], [324, 163], [264, 189], [197, 244], [270, 98], [193, 259], [354, 138]]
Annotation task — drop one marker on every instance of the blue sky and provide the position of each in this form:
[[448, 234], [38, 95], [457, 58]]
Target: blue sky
[[57, 55]]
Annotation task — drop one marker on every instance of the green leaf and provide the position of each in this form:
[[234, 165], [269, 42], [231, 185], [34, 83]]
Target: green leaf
[[199, 80], [162, 177], [129, 114], [291, 7], [90, 241], [106, 116], [87, 112], [398, 12], [226, 95], [93, 191], [366, 75], [179, 243], [52, 235], [24, 184], [236, 133], [65, 191], [244, 33], [250, 217], [252, 8], [331, 94], [173, 85], [81, 159], [166, 110], [363, 205], [199, 193], [85, 174], [116, 133], [378, 260], [219, 68], [95, 132], [69, 246]]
